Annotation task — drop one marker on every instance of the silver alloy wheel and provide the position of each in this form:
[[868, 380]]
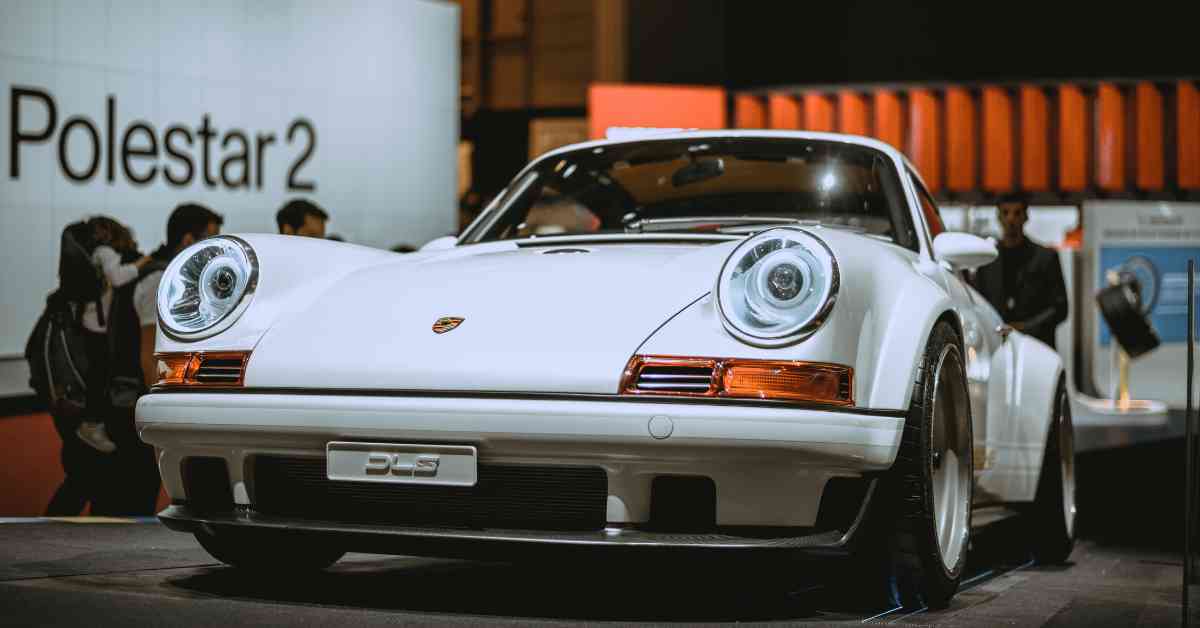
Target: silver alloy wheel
[[950, 462], [1066, 461]]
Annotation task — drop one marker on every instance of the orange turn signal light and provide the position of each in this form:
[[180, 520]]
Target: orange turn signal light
[[173, 368], [797, 381], [815, 382], [212, 369]]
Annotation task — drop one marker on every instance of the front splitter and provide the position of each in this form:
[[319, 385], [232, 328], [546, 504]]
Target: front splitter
[[495, 543]]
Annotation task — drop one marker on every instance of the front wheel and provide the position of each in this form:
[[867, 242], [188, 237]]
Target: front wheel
[[926, 511], [259, 551], [1052, 519]]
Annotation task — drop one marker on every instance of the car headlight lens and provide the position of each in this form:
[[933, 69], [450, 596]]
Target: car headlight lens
[[206, 287], [777, 287]]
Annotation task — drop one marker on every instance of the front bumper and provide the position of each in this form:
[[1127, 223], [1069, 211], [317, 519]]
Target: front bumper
[[770, 463]]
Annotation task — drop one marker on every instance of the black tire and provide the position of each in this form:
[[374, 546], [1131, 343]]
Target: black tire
[[1053, 537], [268, 552], [914, 567]]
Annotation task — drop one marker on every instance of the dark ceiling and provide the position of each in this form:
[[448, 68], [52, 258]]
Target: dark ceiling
[[757, 43]]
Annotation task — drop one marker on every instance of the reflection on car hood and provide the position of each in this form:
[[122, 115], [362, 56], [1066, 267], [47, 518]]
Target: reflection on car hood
[[563, 318]]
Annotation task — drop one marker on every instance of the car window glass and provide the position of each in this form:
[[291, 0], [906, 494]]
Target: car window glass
[[723, 185], [929, 208]]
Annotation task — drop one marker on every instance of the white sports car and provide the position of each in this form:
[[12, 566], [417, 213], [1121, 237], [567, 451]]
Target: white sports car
[[704, 341]]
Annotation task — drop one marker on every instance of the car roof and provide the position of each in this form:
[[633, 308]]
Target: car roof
[[733, 134]]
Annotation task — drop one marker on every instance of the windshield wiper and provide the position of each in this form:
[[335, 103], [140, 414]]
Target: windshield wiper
[[752, 228], [719, 224]]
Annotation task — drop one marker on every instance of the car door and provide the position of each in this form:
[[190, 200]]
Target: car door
[[1001, 429]]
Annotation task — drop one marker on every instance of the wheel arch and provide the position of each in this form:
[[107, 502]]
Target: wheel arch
[[1037, 372], [955, 320], [902, 348]]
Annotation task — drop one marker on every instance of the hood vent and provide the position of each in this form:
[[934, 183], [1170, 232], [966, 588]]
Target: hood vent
[[564, 251]]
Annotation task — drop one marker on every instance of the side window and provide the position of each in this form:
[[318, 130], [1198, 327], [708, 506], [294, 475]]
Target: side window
[[929, 208]]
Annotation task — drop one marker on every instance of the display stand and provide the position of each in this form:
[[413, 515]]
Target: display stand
[[1120, 407]]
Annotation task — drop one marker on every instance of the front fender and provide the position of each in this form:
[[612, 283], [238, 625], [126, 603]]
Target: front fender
[[293, 272], [879, 325], [903, 334]]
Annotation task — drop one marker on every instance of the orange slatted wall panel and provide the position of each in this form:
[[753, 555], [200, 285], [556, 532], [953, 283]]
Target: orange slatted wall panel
[[818, 113], [616, 104], [962, 146], [924, 137], [852, 113], [1187, 134], [749, 112], [1072, 139], [1035, 139], [1110, 137], [1148, 110], [783, 112], [889, 118], [997, 140]]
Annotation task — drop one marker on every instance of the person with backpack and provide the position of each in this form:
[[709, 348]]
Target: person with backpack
[[131, 486], [67, 368], [113, 244]]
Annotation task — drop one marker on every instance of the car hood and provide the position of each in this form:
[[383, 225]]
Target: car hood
[[535, 319]]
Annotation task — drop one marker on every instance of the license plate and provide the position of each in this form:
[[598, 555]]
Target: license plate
[[448, 465]]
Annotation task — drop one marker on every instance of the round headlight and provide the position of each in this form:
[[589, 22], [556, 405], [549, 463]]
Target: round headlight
[[777, 287], [206, 287]]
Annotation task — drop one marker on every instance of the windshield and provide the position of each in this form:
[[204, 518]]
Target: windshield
[[703, 185]]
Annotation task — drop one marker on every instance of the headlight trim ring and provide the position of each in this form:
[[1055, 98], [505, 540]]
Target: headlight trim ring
[[227, 319], [819, 251]]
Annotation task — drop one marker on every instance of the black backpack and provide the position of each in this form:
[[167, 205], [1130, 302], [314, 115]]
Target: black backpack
[[58, 360], [79, 281]]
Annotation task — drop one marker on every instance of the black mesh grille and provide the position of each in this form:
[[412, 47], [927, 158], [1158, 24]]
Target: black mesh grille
[[515, 497], [206, 484], [662, 378]]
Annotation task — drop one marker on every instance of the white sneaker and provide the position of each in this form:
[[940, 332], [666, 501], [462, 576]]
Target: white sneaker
[[96, 436]]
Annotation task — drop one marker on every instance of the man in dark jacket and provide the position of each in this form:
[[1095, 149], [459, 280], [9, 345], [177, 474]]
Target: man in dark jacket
[[1025, 284]]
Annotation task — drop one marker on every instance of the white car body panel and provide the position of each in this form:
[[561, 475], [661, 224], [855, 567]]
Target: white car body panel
[[1017, 443], [342, 349], [757, 446], [520, 309]]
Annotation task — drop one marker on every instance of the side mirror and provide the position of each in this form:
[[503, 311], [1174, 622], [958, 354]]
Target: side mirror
[[439, 244], [964, 251]]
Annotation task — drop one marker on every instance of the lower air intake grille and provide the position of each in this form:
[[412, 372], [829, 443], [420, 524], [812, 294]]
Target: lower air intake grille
[[513, 497], [220, 369], [696, 379]]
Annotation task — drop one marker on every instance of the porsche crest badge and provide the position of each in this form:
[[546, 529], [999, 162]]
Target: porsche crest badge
[[446, 323]]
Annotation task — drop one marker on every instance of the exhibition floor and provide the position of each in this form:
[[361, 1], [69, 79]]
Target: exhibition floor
[[139, 573]]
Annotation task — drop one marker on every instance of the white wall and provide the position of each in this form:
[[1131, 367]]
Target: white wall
[[377, 79]]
